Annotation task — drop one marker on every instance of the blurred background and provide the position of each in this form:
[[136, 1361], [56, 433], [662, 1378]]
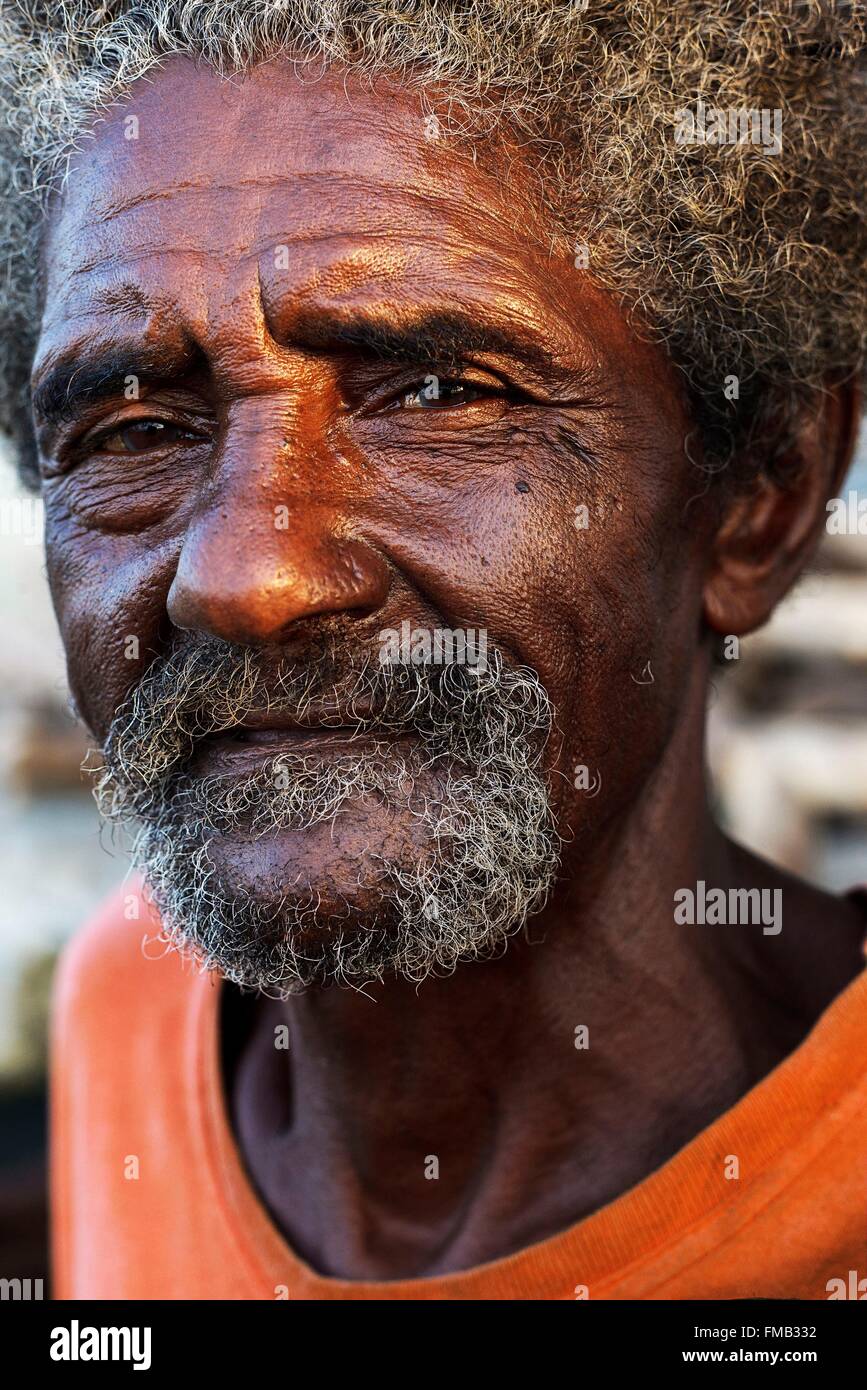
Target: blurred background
[[788, 751]]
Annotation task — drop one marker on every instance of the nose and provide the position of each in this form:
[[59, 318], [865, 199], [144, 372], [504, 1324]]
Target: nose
[[248, 576]]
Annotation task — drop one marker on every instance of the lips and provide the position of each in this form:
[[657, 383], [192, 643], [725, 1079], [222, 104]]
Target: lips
[[246, 748], [312, 717]]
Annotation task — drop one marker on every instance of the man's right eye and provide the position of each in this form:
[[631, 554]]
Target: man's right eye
[[142, 436]]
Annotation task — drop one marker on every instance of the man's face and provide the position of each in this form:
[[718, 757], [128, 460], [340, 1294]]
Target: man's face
[[305, 375]]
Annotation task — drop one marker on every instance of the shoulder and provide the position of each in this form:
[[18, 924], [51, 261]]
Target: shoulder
[[114, 967], [819, 947], [126, 1079]]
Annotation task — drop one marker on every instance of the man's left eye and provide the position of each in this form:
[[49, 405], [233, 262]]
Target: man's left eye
[[440, 392]]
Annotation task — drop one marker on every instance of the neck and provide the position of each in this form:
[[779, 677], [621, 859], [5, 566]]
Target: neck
[[412, 1131]]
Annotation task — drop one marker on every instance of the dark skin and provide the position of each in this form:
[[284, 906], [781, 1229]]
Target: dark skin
[[258, 371]]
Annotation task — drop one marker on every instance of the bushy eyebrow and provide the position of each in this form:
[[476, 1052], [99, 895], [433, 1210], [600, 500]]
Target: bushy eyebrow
[[77, 381], [443, 339]]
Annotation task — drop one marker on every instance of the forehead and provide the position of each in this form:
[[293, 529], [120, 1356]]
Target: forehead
[[248, 154], [196, 187], [246, 208]]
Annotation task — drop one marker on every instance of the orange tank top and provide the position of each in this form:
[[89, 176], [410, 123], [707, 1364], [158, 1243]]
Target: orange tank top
[[151, 1200]]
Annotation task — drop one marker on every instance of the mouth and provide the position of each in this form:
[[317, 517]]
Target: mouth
[[246, 747]]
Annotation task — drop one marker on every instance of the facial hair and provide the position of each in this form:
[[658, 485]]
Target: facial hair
[[471, 778]]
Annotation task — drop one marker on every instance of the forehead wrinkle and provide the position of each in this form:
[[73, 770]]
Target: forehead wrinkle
[[115, 206], [237, 255], [437, 203], [116, 203], [95, 264], [120, 298]]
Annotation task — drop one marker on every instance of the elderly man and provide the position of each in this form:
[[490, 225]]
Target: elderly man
[[421, 399]]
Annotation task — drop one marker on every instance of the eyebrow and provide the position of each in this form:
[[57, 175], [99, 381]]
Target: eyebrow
[[441, 338], [75, 381]]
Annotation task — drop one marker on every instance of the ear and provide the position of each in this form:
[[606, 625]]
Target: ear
[[767, 535]]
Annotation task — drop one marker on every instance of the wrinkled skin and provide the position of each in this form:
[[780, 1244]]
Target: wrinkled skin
[[460, 515]]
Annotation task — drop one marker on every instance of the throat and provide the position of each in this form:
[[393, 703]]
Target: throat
[[458, 1124]]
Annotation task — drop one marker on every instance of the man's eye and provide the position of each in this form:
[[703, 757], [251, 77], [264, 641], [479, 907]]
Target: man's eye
[[439, 393], [143, 435]]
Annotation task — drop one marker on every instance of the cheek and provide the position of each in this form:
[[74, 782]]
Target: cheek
[[586, 575], [578, 563], [109, 595], [625, 604], [120, 494]]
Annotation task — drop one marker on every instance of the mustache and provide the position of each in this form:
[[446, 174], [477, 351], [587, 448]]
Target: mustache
[[204, 686], [481, 844]]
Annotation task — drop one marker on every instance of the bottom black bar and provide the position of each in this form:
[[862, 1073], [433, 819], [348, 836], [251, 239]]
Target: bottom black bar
[[74, 1339]]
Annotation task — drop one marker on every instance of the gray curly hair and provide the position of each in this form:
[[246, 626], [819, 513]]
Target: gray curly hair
[[742, 258]]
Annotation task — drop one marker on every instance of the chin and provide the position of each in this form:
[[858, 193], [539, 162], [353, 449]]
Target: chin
[[345, 863], [342, 901]]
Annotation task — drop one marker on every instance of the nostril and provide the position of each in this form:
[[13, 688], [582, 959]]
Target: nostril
[[255, 594]]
